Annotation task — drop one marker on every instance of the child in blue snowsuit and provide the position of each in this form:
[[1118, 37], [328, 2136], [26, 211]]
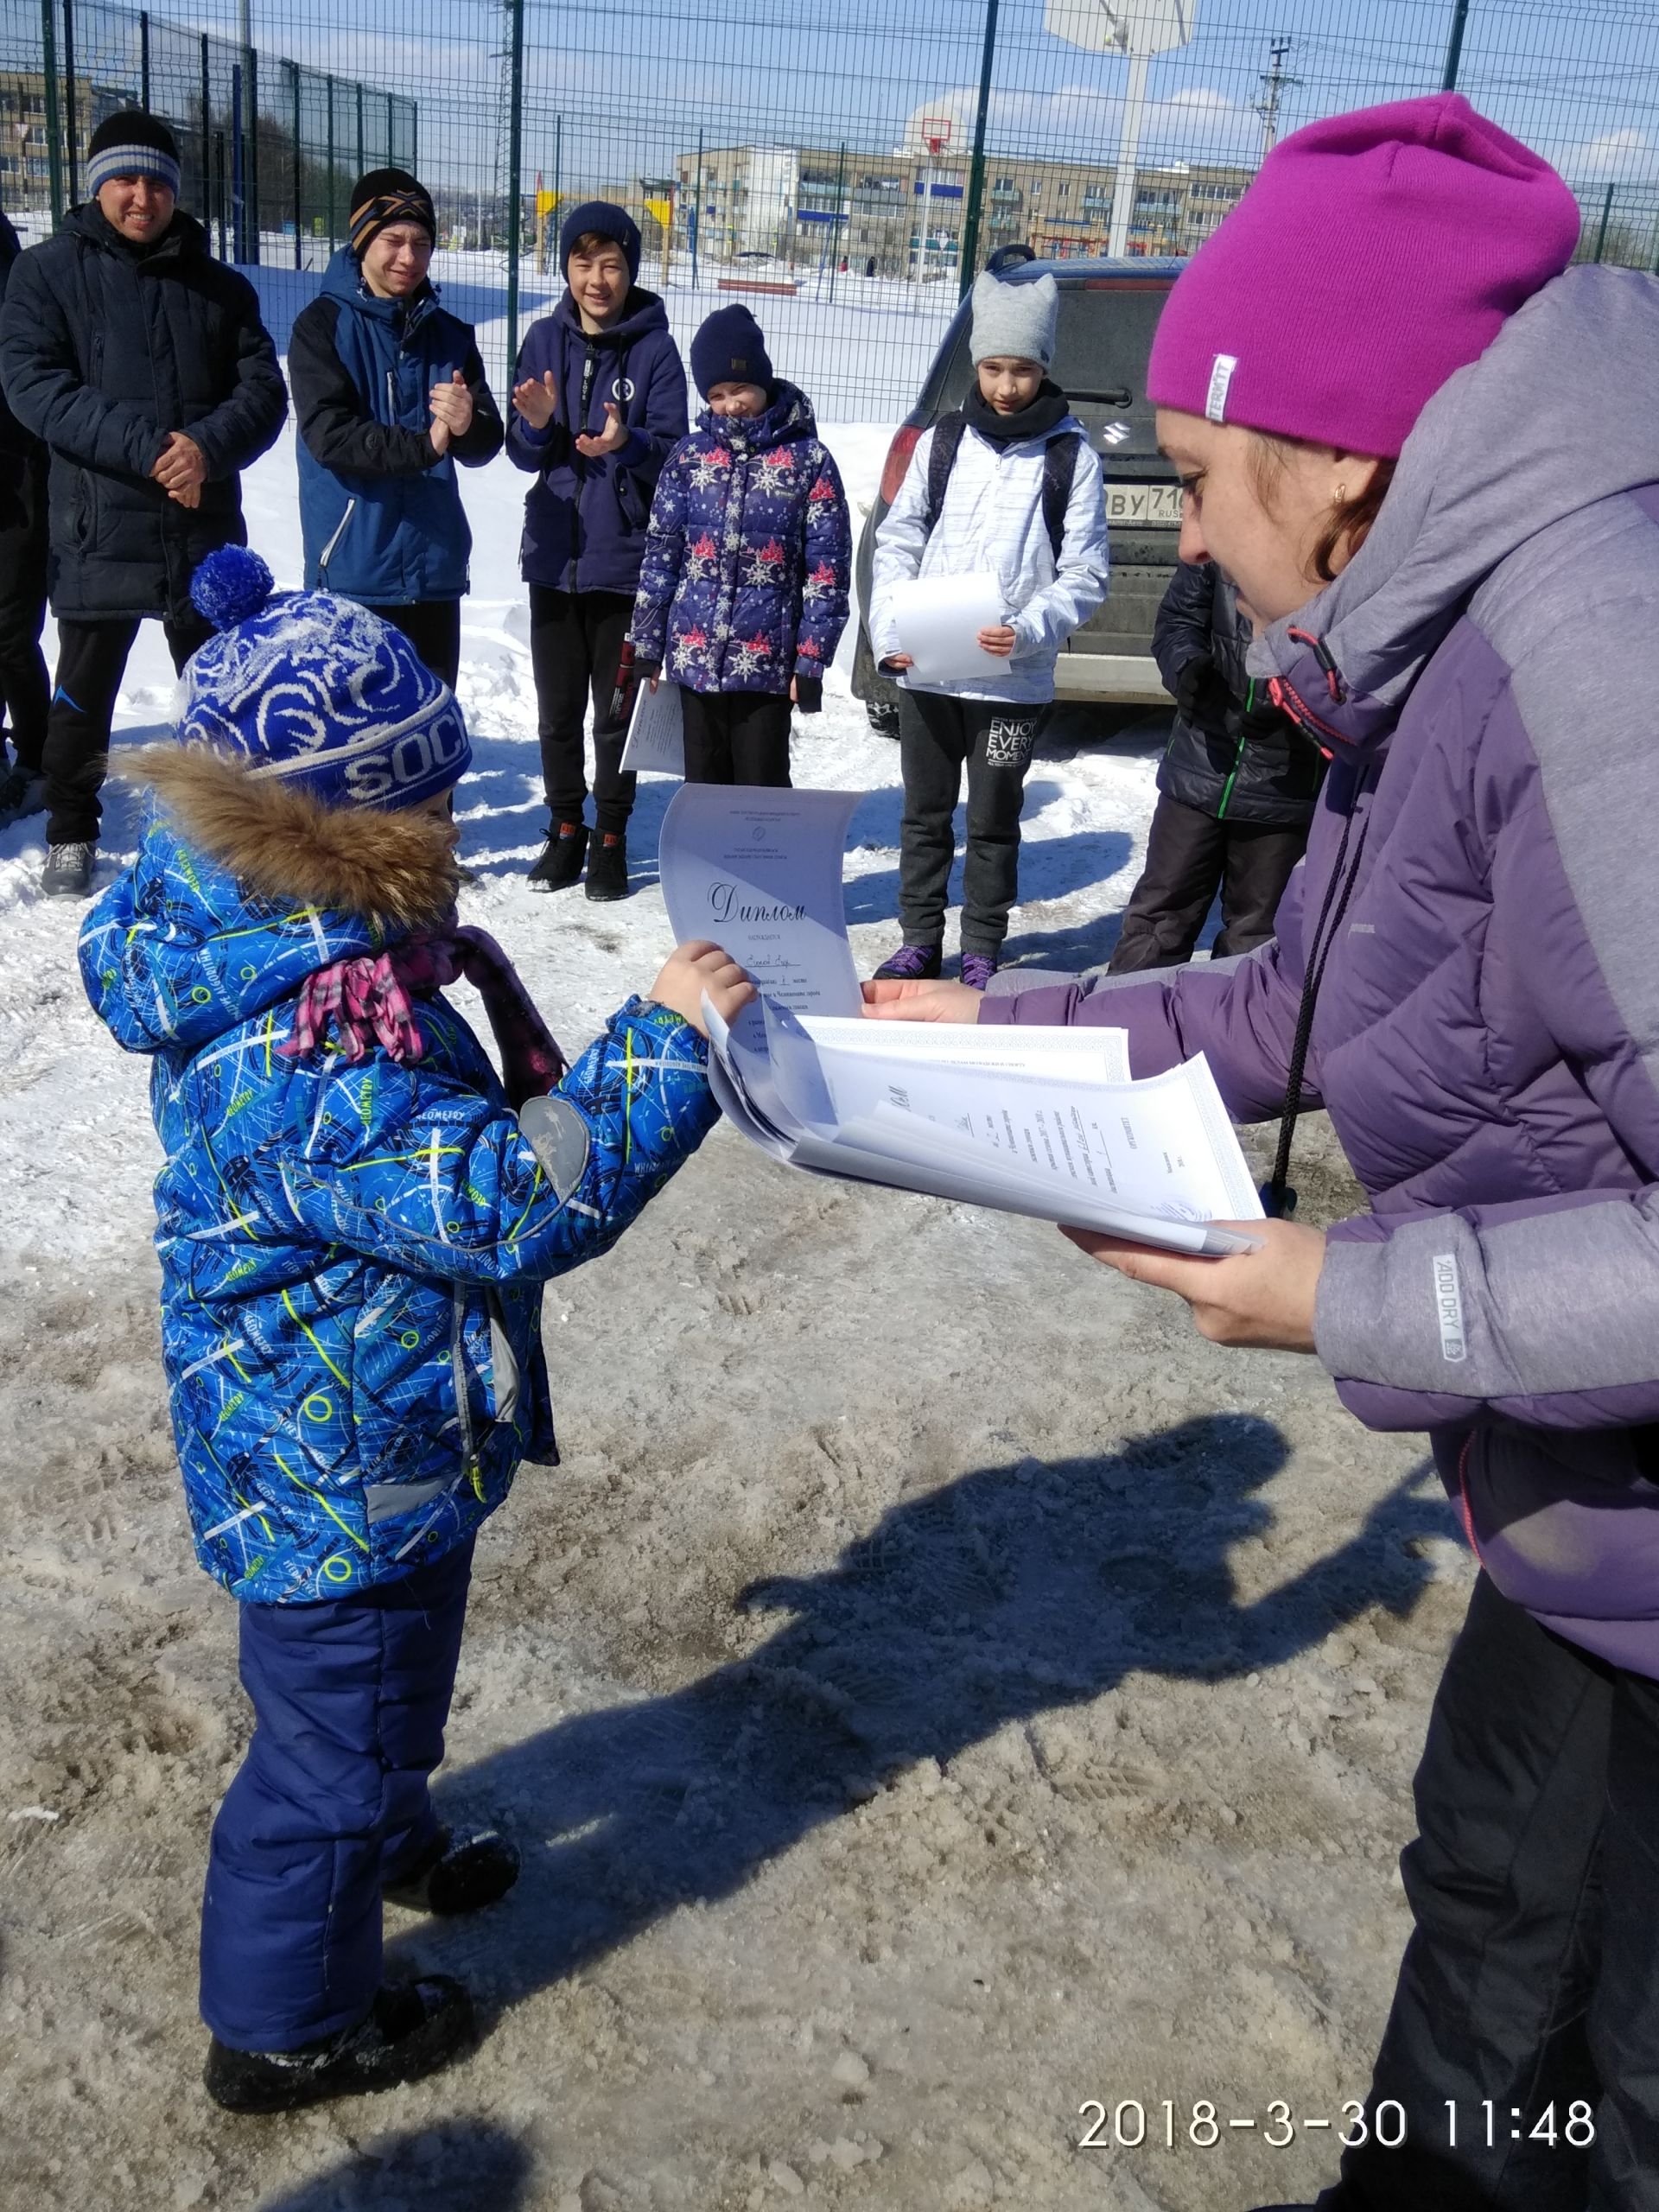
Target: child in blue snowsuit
[[354, 1226], [742, 595]]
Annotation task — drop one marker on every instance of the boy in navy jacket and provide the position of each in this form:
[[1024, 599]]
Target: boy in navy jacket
[[598, 402], [390, 393]]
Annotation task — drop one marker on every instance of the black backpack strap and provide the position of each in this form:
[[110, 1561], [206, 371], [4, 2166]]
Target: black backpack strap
[[1059, 471], [941, 460]]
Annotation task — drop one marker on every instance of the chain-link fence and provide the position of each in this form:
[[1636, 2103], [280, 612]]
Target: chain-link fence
[[843, 165]]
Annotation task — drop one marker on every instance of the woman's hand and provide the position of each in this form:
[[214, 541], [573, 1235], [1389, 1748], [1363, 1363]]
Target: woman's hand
[[891, 998], [611, 439], [1000, 640], [696, 967], [537, 399], [1263, 1299]]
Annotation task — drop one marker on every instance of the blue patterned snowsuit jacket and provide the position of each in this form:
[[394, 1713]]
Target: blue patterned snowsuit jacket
[[747, 568], [353, 1256]]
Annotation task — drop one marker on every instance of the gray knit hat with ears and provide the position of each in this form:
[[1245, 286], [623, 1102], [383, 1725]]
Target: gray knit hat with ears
[[1015, 321]]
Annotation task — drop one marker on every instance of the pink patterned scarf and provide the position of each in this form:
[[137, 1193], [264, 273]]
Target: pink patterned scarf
[[368, 1001]]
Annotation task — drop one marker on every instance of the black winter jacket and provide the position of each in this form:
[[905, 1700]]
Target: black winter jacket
[[16, 444], [1239, 761], [104, 348]]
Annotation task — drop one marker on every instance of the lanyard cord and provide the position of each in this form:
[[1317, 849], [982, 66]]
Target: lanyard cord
[[1279, 1198]]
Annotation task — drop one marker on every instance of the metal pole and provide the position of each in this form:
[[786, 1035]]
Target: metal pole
[[515, 157], [49, 97], [974, 213], [361, 163], [331, 166], [1606, 212], [1128, 146], [696, 213], [246, 165], [1454, 46], [143, 60], [841, 201], [252, 179], [299, 192], [207, 136], [238, 206], [72, 167]]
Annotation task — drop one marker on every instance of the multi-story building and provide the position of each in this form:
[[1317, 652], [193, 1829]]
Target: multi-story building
[[895, 210], [25, 169]]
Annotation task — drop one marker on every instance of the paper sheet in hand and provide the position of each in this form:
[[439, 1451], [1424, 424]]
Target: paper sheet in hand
[[656, 732], [759, 872], [938, 619], [1036, 1121]]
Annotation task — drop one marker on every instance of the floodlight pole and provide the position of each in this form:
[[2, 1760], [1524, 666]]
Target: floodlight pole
[[1454, 46], [1129, 145]]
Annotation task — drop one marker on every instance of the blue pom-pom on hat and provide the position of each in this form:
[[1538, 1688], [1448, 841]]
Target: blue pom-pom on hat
[[313, 689], [230, 586]]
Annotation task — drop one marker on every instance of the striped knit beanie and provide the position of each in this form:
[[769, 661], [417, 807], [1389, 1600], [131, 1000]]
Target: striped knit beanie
[[384, 197], [315, 691], [132, 143]]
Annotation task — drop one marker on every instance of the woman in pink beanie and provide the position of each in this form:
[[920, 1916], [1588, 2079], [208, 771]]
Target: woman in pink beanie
[[1426, 451]]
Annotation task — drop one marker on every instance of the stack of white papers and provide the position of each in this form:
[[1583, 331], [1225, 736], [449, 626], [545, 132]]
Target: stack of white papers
[[1043, 1121]]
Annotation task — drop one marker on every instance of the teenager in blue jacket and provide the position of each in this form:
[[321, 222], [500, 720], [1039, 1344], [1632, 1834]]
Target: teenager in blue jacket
[[356, 1215], [598, 402], [390, 393], [743, 593]]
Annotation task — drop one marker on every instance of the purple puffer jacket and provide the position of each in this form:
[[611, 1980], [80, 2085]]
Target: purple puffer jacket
[[1487, 1037]]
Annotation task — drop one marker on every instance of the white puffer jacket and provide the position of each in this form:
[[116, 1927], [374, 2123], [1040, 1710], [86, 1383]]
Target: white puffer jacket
[[991, 524]]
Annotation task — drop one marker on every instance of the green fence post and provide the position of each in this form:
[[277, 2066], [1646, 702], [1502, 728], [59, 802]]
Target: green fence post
[[973, 213], [250, 178], [206, 132], [53, 120], [1606, 215], [71, 119], [515, 157], [143, 59], [299, 189], [331, 166]]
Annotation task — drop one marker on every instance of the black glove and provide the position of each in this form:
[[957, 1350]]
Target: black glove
[[1200, 693], [809, 694]]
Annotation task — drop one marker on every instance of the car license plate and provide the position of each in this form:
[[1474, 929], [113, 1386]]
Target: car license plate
[[1144, 503]]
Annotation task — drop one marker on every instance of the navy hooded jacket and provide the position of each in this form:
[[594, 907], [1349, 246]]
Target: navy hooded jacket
[[379, 510], [585, 519]]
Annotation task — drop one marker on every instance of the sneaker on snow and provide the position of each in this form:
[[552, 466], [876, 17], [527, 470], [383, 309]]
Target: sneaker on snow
[[69, 871], [978, 967], [560, 862], [411, 2030], [21, 792], [607, 866], [464, 1869], [911, 963]]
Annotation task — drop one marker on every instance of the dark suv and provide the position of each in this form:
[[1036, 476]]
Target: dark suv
[[1109, 310]]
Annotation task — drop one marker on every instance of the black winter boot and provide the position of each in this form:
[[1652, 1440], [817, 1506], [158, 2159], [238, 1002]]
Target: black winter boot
[[561, 858], [462, 1872], [607, 867], [411, 2030]]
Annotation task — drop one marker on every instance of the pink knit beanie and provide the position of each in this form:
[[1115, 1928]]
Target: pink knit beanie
[[1372, 255]]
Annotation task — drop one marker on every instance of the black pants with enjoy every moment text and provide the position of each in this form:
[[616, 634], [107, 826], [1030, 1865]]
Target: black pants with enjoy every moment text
[[1521, 2054], [939, 736]]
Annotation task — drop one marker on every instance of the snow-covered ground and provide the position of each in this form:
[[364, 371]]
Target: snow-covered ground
[[936, 1690]]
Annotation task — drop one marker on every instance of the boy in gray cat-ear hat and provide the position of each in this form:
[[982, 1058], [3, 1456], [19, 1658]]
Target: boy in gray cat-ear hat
[[1006, 486]]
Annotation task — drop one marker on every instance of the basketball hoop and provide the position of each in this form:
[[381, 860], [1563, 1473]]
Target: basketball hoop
[[935, 133]]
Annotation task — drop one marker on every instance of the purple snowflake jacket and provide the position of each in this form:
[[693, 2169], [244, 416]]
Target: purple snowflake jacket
[[745, 579], [1486, 673]]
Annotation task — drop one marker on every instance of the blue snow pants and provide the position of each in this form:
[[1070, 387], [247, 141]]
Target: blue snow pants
[[350, 1698]]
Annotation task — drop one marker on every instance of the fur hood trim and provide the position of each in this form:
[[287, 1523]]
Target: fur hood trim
[[283, 843]]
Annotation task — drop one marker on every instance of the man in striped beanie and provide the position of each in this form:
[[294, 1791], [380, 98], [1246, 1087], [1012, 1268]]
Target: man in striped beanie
[[138, 155]]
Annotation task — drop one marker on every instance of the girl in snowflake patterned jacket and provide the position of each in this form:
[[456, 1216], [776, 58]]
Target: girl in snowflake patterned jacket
[[743, 596]]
